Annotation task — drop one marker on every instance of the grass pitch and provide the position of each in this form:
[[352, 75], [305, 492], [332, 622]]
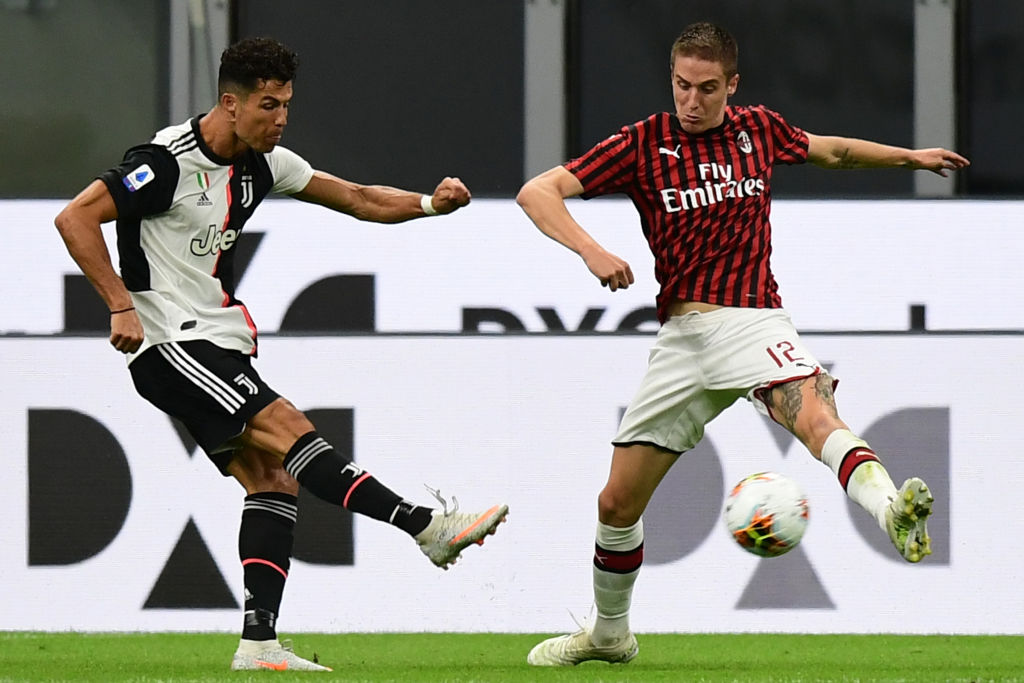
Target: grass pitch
[[462, 658]]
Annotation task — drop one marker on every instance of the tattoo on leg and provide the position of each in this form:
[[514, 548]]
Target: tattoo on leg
[[788, 400], [823, 389]]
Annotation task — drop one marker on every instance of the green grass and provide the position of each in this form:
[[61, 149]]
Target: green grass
[[441, 657]]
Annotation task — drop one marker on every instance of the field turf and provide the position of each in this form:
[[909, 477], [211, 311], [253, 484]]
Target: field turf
[[440, 657]]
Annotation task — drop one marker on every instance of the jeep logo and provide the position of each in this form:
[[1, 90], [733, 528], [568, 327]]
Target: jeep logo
[[214, 241]]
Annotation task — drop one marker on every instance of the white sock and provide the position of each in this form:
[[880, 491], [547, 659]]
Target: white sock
[[617, 560], [860, 472]]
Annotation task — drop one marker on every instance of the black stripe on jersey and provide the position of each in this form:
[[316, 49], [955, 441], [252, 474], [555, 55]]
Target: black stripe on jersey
[[726, 271], [132, 258], [664, 171], [251, 181], [253, 169], [133, 206], [741, 280], [152, 197], [762, 285], [789, 142], [655, 170], [698, 233], [763, 150], [183, 144], [749, 282], [746, 268], [185, 141], [657, 174], [604, 161], [738, 281], [658, 171]]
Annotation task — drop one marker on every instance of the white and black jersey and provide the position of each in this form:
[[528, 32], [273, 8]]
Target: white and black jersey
[[180, 210]]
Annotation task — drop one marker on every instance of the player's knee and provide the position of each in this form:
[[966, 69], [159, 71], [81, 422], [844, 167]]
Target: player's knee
[[295, 418], [282, 418], [616, 508], [259, 471]]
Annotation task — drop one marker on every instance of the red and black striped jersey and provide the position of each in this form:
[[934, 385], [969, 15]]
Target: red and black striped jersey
[[704, 200]]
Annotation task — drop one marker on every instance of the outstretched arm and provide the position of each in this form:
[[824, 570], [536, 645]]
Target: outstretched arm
[[79, 227], [835, 152], [379, 203], [543, 200]]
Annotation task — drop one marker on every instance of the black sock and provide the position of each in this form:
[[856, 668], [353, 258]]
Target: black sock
[[265, 547], [328, 475]]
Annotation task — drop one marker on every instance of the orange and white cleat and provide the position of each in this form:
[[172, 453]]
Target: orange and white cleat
[[271, 655], [450, 531]]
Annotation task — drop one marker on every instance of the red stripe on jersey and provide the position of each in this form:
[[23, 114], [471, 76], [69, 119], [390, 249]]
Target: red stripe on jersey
[[224, 225], [703, 200], [853, 460], [607, 164], [227, 299], [251, 324]]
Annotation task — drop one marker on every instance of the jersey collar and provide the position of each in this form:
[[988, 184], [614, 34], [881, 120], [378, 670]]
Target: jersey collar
[[205, 148], [678, 127]]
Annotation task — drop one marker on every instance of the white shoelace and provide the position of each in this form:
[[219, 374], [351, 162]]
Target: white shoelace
[[436, 493], [586, 620]]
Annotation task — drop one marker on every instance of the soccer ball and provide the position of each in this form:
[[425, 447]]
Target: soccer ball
[[767, 514]]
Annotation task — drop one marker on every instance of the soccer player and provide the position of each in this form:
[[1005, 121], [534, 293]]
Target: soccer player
[[180, 202], [700, 180]]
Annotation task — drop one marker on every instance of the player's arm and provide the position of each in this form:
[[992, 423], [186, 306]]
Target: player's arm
[[830, 151], [543, 200], [379, 203], [79, 226]]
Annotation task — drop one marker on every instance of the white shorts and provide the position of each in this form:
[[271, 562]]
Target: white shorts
[[702, 362]]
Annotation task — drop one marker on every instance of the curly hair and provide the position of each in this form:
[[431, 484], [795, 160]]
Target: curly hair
[[252, 60], [709, 42]]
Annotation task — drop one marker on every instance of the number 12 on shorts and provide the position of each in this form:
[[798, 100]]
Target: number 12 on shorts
[[783, 353]]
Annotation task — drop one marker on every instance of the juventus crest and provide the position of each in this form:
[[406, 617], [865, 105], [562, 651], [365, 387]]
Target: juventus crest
[[247, 195]]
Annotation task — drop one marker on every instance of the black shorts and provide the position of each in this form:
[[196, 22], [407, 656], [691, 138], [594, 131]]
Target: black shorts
[[214, 392]]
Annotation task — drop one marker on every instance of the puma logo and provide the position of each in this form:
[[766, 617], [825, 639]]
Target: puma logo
[[670, 152]]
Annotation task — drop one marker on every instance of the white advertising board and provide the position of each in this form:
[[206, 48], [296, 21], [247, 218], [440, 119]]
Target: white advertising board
[[524, 420], [841, 265]]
